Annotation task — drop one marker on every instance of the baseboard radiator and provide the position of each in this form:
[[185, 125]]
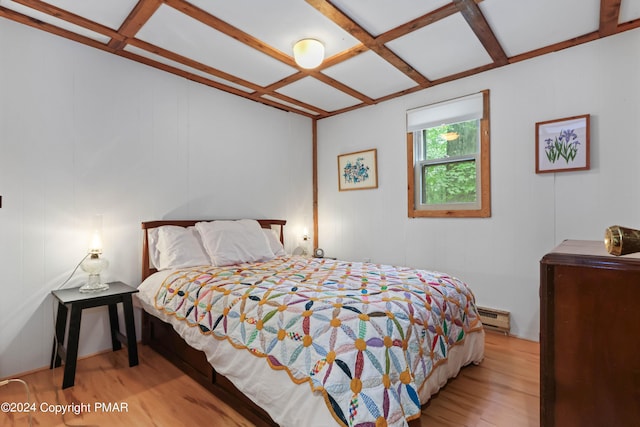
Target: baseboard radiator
[[497, 320]]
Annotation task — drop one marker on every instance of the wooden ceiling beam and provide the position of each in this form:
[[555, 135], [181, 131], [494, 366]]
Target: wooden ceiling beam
[[219, 25], [72, 18], [343, 56], [254, 96], [631, 25], [323, 78], [555, 47], [180, 72], [476, 20], [284, 82], [341, 87], [420, 22], [329, 62], [52, 29], [231, 31], [144, 10], [211, 83], [297, 102], [350, 26], [258, 91], [191, 63], [609, 15], [135, 21]]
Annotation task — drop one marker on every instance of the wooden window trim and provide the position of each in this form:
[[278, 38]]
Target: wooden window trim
[[485, 176]]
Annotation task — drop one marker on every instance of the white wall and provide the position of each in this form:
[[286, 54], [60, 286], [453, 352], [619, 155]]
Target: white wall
[[83, 132], [532, 213]]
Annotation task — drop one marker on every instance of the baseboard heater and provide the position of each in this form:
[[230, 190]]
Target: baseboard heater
[[497, 320]]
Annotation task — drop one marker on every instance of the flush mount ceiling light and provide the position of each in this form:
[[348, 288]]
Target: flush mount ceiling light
[[308, 53]]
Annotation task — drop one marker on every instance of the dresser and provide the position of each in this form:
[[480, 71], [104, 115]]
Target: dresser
[[589, 337]]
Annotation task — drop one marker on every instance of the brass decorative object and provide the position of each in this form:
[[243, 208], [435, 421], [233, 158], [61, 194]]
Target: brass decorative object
[[621, 240]]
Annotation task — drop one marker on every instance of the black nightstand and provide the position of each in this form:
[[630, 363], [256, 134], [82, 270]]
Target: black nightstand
[[118, 292]]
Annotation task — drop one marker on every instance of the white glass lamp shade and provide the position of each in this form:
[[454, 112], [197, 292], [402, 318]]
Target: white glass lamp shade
[[308, 53], [92, 263], [95, 247]]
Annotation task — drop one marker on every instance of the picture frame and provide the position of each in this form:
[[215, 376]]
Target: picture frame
[[358, 170], [563, 145]]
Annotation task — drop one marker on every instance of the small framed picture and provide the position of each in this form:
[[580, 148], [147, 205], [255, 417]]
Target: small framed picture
[[563, 145], [358, 171]]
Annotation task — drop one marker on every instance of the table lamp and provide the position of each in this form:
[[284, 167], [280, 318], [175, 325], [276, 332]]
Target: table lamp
[[93, 263]]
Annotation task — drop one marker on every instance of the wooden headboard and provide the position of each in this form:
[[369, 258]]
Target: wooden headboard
[[148, 270]]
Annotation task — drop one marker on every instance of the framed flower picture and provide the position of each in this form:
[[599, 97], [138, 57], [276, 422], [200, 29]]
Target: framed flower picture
[[563, 145], [358, 171]]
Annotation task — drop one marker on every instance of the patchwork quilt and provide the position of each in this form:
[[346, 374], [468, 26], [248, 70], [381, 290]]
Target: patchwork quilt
[[366, 336]]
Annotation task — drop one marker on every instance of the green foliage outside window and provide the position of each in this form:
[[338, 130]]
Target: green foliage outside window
[[450, 174]]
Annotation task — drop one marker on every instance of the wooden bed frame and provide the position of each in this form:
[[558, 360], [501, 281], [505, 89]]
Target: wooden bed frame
[[161, 337]]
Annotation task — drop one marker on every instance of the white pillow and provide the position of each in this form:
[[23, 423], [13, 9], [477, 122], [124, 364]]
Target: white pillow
[[274, 242], [152, 243], [234, 242], [179, 247]]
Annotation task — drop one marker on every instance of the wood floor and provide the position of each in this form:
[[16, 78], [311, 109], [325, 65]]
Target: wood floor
[[502, 391]]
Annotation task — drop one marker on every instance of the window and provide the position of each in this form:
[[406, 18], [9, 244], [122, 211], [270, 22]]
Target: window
[[448, 158]]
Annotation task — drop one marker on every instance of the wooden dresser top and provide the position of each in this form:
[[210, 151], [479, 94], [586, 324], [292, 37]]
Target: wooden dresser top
[[588, 252]]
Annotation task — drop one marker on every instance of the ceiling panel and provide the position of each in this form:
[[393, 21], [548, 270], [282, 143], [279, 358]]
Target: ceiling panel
[[290, 104], [380, 79], [525, 25], [375, 49], [110, 13], [163, 60], [181, 34], [446, 47], [629, 10], [49, 19], [267, 22], [379, 16], [314, 92]]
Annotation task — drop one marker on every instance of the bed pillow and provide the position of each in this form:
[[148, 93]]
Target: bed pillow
[[234, 242], [274, 242], [179, 247], [152, 242]]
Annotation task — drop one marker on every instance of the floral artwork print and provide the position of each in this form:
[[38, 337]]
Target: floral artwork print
[[358, 171], [562, 145]]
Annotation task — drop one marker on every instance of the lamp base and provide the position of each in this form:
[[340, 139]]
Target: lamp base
[[94, 285], [94, 265]]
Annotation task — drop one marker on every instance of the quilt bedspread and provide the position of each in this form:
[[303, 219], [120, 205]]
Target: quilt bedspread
[[365, 335]]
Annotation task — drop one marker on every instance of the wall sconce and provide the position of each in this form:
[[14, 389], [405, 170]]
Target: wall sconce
[[92, 263], [308, 53]]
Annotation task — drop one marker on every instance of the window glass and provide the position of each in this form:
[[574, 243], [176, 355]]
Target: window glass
[[448, 158], [450, 183]]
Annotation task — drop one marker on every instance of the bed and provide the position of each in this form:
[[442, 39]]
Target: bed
[[290, 340]]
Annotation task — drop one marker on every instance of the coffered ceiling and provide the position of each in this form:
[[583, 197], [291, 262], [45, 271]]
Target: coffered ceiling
[[375, 49]]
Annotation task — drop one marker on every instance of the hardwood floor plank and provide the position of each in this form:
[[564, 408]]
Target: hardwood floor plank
[[503, 391]]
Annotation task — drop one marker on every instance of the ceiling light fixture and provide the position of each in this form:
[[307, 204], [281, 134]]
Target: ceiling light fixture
[[450, 136], [308, 53]]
